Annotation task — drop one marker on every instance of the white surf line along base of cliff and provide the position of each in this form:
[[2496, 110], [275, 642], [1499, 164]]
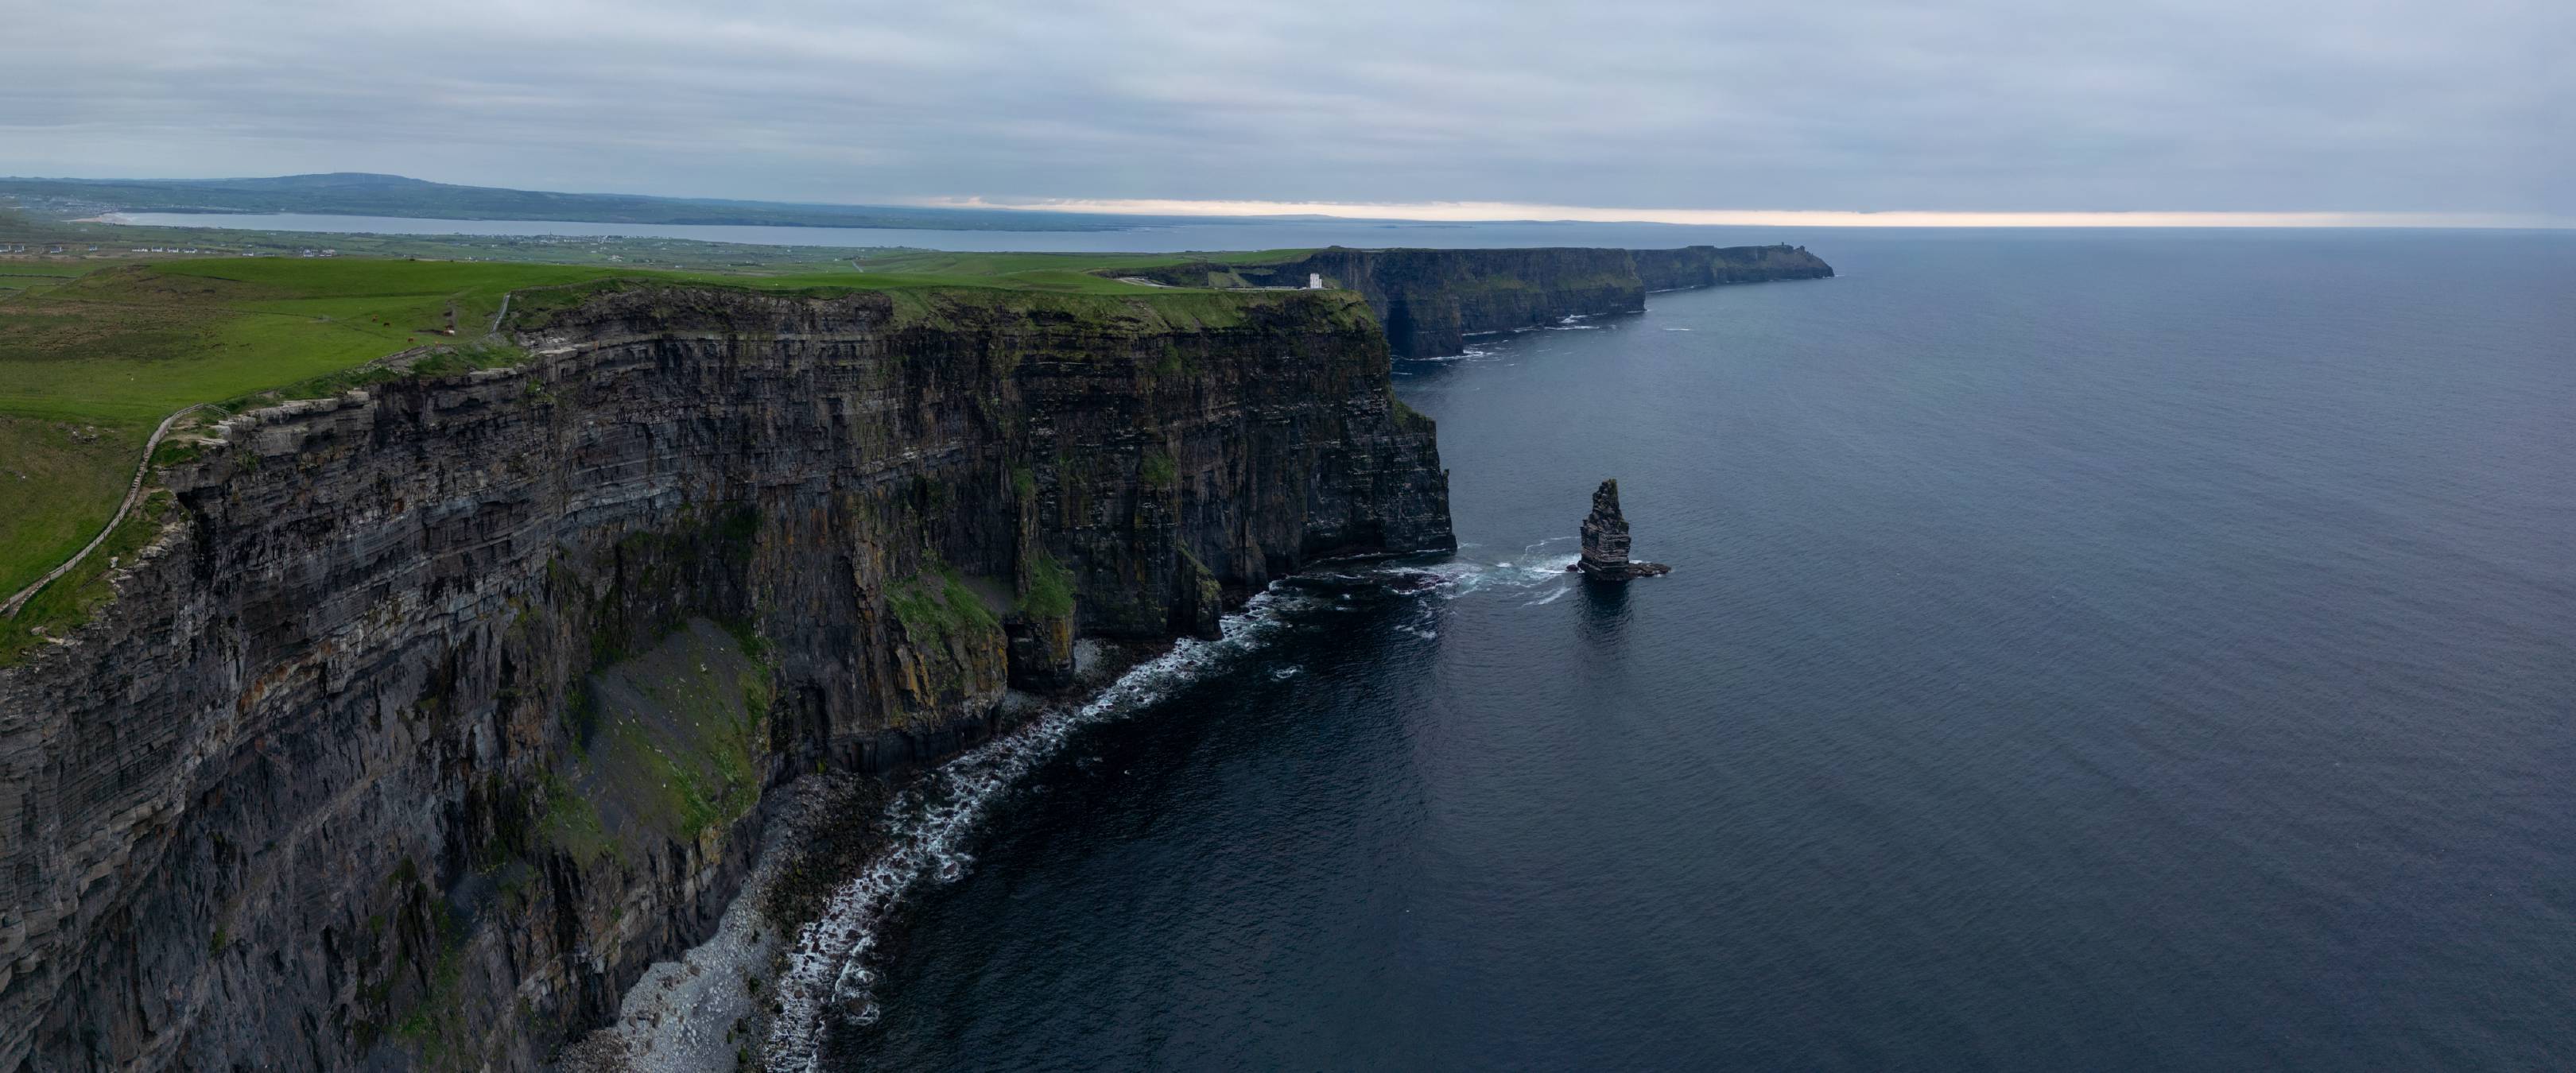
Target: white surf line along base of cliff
[[133, 495], [928, 826], [679, 1016]]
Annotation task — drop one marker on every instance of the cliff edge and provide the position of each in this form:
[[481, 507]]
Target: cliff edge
[[1432, 300], [438, 711]]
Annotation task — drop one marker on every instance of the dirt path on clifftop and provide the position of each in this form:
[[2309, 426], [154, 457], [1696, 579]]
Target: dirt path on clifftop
[[143, 469], [133, 495]]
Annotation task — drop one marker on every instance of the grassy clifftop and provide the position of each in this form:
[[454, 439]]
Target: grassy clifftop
[[121, 346], [94, 353]]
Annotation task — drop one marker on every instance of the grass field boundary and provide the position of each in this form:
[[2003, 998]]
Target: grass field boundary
[[242, 323], [133, 495]]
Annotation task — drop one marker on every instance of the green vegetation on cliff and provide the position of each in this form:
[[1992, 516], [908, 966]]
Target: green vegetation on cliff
[[128, 344], [679, 732], [73, 598], [100, 351], [59, 481], [938, 606], [1050, 588]]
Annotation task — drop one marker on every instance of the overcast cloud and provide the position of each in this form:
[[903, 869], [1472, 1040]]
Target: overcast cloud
[[2457, 106]]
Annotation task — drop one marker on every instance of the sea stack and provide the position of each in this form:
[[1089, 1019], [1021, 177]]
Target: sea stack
[[1605, 541]]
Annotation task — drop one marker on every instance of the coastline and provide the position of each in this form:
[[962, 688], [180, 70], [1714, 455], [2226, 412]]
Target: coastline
[[793, 956], [713, 1005]]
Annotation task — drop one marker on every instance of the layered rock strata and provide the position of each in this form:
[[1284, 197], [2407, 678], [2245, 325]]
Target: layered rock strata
[[1605, 541], [438, 711], [1432, 300]]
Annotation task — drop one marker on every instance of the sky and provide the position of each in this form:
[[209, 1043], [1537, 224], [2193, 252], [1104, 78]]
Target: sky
[[2427, 109]]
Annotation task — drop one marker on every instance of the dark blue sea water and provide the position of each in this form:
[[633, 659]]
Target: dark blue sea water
[[2084, 652]]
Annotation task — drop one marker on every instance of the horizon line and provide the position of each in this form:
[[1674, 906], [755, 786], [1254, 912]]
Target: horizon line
[[1527, 212]]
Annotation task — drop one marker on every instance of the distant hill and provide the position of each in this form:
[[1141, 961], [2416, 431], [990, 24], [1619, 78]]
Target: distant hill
[[364, 194]]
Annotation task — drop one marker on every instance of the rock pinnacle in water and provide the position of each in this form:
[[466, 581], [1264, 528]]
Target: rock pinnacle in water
[[1605, 541]]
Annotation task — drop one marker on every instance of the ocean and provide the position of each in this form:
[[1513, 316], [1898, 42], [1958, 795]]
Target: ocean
[[2084, 650]]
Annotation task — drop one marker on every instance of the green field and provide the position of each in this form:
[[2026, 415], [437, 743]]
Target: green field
[[90, 362], [36, 276], [95, 351], [123, 346], [58, 484]]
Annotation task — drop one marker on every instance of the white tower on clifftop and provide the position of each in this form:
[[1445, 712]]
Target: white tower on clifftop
[[1314, 281]]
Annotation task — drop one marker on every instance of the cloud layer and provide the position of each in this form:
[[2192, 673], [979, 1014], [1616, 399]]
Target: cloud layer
[[2410, 106]]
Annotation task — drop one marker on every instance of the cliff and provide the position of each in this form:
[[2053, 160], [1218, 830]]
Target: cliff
[[438, 711], [1432, 300]]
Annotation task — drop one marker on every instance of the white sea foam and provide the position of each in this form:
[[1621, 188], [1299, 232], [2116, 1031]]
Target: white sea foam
[[1472, 353], [1551, 568], [1457, 578], [1549, 598], [928, 826]]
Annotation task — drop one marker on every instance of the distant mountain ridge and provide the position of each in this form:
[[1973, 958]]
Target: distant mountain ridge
[[349, 193]]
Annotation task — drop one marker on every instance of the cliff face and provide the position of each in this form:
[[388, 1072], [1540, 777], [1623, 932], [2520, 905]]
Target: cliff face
[[440, 711], [1432, 300], [1709, 266]]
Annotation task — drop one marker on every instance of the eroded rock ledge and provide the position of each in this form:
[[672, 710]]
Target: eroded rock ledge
[[439, 711]]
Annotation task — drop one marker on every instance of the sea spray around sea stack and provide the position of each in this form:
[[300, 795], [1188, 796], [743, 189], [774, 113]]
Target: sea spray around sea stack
[[1605, 541]]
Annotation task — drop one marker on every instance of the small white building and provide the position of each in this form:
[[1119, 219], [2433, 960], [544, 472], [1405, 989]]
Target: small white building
[[1314, 281]]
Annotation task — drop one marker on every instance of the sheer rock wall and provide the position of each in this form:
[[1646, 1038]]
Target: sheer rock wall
[[358, 769]]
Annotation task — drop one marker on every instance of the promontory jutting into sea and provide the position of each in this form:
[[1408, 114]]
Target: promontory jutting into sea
[[1312, 537]]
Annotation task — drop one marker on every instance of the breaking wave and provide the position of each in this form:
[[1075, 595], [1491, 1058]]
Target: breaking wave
[[829, 975], [1472, 353], [928, 826]]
